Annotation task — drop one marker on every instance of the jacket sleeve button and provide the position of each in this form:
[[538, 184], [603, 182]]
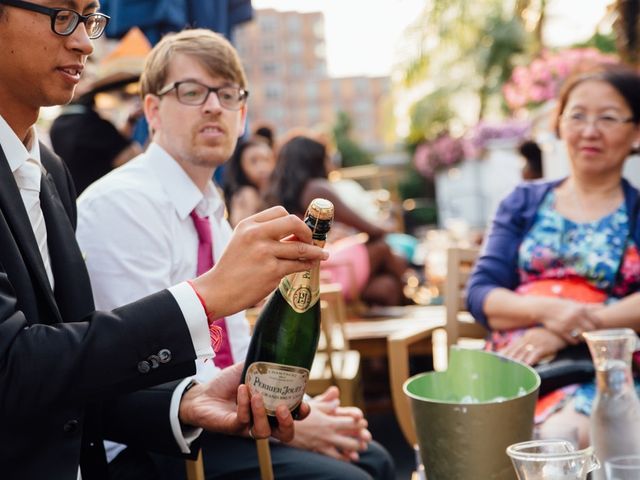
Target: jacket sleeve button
[[165, 355], [70, 426], [144, 366], [154, 360]]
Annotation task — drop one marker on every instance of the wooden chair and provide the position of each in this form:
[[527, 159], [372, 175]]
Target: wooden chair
[[461, 328], [459, 323], [335, 363], [195, 468]]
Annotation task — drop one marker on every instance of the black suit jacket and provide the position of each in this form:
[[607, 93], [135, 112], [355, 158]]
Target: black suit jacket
[[69, 375]]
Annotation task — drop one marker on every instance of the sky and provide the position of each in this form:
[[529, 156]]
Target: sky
[[363, 35]]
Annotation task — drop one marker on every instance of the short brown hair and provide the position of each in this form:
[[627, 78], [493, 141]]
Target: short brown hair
[[211, 49]]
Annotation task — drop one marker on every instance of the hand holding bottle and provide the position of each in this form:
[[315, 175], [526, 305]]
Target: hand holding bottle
[[255, 260], [222, 406]]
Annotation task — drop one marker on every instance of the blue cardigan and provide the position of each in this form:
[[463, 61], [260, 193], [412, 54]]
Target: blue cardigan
[[497, 266]]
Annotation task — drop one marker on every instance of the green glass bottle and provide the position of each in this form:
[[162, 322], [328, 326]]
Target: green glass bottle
[[286, 333]]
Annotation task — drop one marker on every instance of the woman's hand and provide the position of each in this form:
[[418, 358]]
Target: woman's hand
[[567, 318], [338, 432], [534, 345]]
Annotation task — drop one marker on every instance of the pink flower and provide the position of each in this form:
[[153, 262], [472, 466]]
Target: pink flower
[[539, 81], [442, 152]]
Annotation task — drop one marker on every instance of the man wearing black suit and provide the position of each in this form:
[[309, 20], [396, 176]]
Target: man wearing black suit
[[71, 376]]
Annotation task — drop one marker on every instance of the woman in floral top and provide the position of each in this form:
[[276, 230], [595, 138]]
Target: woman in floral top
[[562, 256]]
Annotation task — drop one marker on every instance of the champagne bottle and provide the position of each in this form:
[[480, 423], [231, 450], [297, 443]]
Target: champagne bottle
[[286, 333]]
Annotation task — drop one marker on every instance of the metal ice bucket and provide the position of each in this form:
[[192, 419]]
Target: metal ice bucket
[[467, 416]]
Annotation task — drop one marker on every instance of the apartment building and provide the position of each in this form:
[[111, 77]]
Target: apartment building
[[284, 56]]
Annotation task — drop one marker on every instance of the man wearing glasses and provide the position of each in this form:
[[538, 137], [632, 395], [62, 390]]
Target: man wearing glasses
[[71, 376], [195, 96]]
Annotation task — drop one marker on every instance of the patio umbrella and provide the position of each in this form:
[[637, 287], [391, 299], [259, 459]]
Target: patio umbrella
[[157, 17]]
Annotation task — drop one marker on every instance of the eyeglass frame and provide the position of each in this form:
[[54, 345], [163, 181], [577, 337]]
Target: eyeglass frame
[[53, 13], [174, 86], [587, 120]]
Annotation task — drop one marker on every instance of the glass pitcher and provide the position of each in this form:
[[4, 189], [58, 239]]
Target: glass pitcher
[[551, 460], [615, 417]]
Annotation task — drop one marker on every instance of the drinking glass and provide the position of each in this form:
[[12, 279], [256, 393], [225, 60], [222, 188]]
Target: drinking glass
[[552, 459], [626, 467]]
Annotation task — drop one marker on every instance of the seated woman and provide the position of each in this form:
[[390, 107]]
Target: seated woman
[[562, 256], [246, 178], [365, 266]]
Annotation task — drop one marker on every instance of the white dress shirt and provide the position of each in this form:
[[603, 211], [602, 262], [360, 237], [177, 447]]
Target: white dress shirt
[[137, 236], [17, 155]]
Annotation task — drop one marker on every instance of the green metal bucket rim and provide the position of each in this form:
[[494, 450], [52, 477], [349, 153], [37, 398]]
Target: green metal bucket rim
[[529, 391]]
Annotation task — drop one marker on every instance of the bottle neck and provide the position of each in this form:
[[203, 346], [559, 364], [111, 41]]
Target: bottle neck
[[301, 290]]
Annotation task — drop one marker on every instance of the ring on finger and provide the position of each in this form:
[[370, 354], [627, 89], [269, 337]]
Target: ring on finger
[[251, 433], [575, 333]]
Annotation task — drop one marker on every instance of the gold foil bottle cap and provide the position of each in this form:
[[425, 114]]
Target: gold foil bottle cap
[[321, 209]]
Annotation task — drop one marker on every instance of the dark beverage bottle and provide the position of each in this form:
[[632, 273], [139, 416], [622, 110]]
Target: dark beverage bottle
[[286, 333]]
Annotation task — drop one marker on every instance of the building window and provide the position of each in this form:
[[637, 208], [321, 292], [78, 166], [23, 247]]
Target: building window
[[318, 28], [268, 23], [268, 47], [275, 114], [296, 69], [362, 105], [294, 23], [320, 51], [273, 92], [362, 85], [313, 113], [269, 68], [312, 90], [295, 47]]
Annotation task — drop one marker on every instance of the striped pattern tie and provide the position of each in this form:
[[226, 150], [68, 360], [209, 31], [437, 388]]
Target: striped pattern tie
[[28, 178]]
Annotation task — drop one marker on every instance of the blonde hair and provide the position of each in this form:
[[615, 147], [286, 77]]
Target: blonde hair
[[210, 49]]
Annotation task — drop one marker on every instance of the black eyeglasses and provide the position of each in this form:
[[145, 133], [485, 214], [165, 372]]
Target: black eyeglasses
[[195, 93], [64, 21]]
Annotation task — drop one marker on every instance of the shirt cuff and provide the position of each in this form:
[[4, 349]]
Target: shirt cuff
[[196, 319], [183, 434]]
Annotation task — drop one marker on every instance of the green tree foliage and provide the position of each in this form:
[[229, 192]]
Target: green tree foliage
[[495, 55], [606, 43], [626, 26], [469, 47], [430, 116], [350, 152]]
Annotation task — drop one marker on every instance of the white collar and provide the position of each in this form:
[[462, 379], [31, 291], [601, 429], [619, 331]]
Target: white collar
[[15, 151], [183, 193]]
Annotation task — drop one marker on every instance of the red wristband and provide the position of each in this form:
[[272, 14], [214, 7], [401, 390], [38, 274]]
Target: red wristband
[[204, 305]]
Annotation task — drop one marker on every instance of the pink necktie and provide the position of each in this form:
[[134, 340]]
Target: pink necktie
[[218, 328]]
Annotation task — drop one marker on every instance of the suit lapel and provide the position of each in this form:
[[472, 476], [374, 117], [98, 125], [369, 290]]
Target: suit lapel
[[16, 215], [73, 289]]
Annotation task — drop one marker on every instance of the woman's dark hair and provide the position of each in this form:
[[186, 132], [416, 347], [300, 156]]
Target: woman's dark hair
[[234, 176], [625, 80], [531, 152], [300, 160], [266, 132]]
